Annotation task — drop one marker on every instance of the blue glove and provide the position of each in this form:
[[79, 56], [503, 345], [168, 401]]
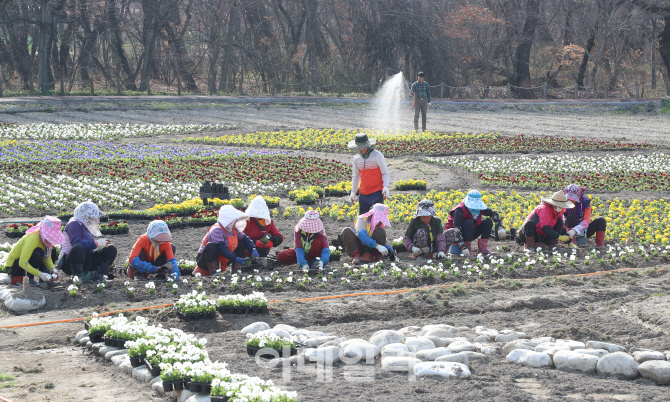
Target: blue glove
[[254, 255], [153, 269], [239, 260], [176, 274], [389, 248]]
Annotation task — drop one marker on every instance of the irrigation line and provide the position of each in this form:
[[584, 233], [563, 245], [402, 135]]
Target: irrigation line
[[391, 292]]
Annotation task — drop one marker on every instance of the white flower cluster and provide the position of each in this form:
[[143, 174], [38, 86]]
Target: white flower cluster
[[195, 302], [242, 388], [60, 193], [182, 355], [254, 299], [609, 163], [103, 131]]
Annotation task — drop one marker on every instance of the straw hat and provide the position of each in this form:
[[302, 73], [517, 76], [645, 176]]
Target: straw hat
[[361, 141], [558, 199]]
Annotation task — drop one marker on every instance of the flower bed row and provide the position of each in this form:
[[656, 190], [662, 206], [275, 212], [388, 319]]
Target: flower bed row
[[182, 361], [642, 221], [100, 131], [196, 306], [411, 184], [604, 172], [236, 166], [411, 142]]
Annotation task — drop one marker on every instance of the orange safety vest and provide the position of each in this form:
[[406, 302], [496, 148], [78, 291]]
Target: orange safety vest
[[371, 181]]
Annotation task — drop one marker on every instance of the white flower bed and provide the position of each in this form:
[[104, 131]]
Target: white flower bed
[[63, 193], [183, 356], [609, 163], [99, 131]]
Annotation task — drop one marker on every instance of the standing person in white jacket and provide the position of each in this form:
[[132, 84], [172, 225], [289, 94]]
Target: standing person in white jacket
[[370, 172]]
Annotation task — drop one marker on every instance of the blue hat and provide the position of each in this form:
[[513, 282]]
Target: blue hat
[[474, 200]]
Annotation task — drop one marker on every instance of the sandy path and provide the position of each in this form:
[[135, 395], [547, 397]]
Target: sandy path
[[581, 122]]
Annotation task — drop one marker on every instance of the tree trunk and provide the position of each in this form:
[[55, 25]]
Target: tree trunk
[[654, 25], [228, 55], [311, 27], [43, 56], [522, 68], [664, 43], [585, 58]]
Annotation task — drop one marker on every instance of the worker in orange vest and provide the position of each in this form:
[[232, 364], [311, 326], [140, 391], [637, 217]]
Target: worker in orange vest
[[370, 171]]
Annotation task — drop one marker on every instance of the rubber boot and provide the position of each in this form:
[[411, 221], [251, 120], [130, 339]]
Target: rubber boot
[[213, 267], [78, 272], [368, 257], [581, 241], [356, 256], [483, 246], [378, 256], [530, 244], [551, 244], [454, 250], [101, 272], [600, 239], [468, 245], [87, 277]]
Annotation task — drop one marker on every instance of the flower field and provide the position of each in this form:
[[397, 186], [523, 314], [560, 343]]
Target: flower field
[[167, 163], [412, 142], [604, 172], [97, 131], [644, 221]]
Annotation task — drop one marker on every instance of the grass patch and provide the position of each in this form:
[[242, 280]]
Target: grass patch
[[7, 380], [28, 370], [659, 294], [457, 289]]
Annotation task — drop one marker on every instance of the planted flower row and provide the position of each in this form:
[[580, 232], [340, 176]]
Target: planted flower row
[[41, 194], [641, 221], [409, 185], [412, 142], [182, 361], [98, 131], [242, 167], [604, 172]]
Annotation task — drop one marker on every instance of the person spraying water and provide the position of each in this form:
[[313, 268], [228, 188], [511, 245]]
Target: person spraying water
[[420, 90]]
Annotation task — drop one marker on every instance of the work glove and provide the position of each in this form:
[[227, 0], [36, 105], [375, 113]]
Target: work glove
[[102, 243], [152, 269], [241, 261], [465, 253], [563, 238], [385, 192], [441, 255], [352, 197], [54, 274], [305, 267], [45, 277], [260, 244], [254, 255], [429, 105], [417, 251], [382, 249], [572, 233], [319, 265], [426, 250], [176, 274]]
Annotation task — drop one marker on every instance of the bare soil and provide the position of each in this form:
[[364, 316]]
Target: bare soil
[[625, 123]]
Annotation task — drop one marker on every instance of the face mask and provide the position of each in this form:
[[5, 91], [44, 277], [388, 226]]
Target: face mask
[[241, 225], [558, 209]]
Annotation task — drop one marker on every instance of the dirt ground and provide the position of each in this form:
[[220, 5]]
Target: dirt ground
[[630, 308], [624, 123]]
